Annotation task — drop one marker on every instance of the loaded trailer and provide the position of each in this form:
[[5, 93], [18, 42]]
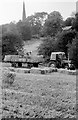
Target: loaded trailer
[[20, 61]]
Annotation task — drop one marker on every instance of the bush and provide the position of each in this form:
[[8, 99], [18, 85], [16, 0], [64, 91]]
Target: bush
[[53, 24], [73, 51], [47, 47], [8, 78], [24, 29], [11, 43]]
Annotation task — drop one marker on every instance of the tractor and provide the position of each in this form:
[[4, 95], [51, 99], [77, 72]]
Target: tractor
[[59, 60]]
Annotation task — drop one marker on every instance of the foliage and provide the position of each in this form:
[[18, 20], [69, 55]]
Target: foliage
[[74, 46], [75, 23], [0, 43], [53, 24], [69, 21], [10, 28], [8, 78], [37, 21], [74, 51], [47, 47], [24, 29], [63, 39], [11, 42]]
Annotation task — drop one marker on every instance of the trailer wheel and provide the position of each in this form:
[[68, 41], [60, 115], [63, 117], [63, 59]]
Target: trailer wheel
[[19, 64], [29, 65], [35, 64], [13, 64]]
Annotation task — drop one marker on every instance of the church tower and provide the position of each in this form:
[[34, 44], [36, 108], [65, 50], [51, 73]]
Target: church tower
[[24, 14]]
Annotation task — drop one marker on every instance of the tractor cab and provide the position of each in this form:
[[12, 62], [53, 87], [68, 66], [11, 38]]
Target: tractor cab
[[57, 56]]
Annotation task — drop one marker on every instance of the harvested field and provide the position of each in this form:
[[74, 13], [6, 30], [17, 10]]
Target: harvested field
[[37, 96]]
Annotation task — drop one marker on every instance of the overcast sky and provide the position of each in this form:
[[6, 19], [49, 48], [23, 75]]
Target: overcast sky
[[11, 10]]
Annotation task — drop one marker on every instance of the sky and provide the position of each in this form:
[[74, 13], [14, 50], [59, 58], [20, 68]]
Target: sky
[[11, 10]]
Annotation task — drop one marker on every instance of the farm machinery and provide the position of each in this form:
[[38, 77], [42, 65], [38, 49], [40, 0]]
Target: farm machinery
[[57, 60], [27, 60]]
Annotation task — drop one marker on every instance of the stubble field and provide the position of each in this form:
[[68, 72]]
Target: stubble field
[[40, 96]]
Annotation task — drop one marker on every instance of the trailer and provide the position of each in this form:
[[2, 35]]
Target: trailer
[[18, 60]]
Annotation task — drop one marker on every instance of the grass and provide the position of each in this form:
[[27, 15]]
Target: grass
[[37, 96]]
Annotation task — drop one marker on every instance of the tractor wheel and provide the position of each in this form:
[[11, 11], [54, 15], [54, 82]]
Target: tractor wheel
[[29, 65], [66, 67], [52, 64]]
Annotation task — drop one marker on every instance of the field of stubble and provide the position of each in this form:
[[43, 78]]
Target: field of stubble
[[40, 96]]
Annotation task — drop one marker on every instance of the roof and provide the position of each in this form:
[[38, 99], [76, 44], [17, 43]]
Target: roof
[[67, 28], [58, 53]]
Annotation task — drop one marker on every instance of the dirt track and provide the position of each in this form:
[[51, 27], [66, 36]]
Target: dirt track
[[32, 45]]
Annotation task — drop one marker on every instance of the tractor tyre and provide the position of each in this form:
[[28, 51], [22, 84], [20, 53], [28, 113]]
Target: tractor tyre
[[52, 64]]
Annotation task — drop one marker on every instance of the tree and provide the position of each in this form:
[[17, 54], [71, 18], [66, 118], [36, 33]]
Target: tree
[[47, 47], [74, 51], [69, 21], [41, 17], [10, 28], [37, 21], [11, 42], [53, 24], [63, 39], [24, 30], [75, 23], [0, 43], [74, 46]]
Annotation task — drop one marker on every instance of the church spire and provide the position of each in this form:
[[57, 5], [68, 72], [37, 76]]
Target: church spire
[[24, 14], [77, 7]]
